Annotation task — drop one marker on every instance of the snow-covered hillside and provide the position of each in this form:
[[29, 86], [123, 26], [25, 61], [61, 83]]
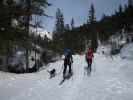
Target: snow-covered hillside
[[127, 51], [111, 79]]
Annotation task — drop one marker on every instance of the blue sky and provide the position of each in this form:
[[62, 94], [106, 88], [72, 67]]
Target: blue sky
[[78, 9]]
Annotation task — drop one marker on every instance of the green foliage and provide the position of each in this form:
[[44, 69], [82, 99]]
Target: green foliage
[[72, 23], [91, 17], [59, 24], [19, 11], [79, 37], [109, 25]]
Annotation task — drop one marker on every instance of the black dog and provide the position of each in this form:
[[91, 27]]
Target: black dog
[[52, 73]]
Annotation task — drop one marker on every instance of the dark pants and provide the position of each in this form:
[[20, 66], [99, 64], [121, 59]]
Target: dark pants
[[89, 62], [65, 68]]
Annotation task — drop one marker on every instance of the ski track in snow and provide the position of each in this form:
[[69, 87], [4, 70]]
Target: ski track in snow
[[110, 80]]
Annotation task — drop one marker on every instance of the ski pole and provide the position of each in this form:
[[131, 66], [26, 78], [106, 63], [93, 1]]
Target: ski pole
[[72, 71], [61, 69], [94, 66]]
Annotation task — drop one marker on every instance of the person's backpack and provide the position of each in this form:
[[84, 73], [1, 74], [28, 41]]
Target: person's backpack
[[67, 55]]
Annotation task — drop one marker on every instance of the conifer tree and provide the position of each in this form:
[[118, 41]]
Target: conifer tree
[[72, 23], [59, 24]]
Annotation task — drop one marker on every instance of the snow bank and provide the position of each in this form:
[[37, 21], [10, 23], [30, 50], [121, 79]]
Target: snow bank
[[127, 51], [104, 49]]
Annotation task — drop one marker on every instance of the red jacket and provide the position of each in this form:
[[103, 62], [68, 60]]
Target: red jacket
[[89, 54]]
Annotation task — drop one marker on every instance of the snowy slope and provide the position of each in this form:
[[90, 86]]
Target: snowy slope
[[127, 51], [110, 80]]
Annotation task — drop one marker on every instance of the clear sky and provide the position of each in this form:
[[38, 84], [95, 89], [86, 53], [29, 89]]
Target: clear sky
[[78, 9]]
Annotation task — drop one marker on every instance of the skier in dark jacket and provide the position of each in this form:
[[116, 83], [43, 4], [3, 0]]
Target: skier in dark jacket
[[89, 57], [68, 60]]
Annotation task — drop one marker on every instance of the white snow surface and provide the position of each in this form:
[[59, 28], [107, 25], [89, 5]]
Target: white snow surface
[[111, 79], [127, 51]]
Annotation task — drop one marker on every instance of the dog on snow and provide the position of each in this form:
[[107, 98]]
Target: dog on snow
[[52, 73]]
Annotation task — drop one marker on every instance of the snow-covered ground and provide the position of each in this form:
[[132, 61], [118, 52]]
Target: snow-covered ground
[[127, 51], [111, 79]]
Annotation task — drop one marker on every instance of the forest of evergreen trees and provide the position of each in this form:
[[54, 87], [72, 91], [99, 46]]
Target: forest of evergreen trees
[[17, 20], [77, 38], [64, 35]]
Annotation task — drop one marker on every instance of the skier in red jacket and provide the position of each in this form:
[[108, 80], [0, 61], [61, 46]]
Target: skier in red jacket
[[89, 57]]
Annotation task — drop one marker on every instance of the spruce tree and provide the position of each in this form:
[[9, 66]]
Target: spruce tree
[[130, 3], [29, 8], [92, 22], [120, 9], [72, 23], [59, 24], [91, 16]]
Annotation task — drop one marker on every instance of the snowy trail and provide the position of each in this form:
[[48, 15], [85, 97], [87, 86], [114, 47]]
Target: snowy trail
[[110, 80], [107, 83]]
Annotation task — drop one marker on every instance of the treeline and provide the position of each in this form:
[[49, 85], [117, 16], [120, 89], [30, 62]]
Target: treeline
[[78, 38], [123, 18]]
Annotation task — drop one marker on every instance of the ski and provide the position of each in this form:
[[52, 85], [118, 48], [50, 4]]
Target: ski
[[87, 71], [62, 81], [67, 77]]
